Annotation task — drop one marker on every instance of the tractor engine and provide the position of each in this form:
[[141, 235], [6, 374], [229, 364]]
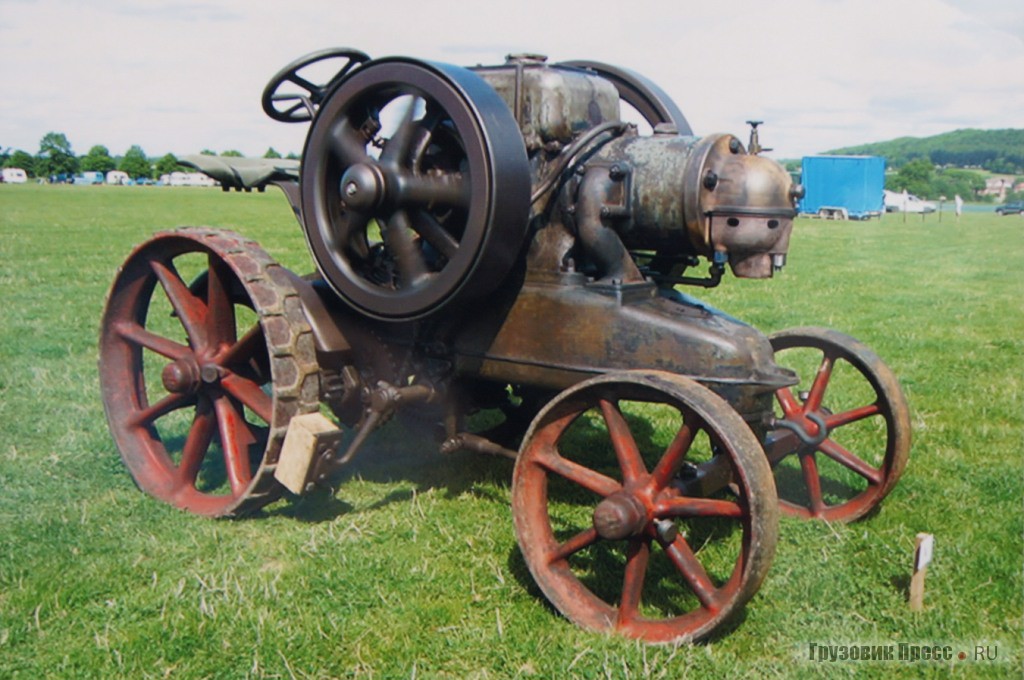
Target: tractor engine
[[669, 193], [514, 215]]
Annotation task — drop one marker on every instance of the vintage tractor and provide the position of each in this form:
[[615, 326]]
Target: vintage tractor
[[499, 254]]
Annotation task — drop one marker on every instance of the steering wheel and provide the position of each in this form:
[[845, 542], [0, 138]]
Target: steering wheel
[[304, 104]]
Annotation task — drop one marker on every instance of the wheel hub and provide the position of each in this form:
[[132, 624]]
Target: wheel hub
[[362, 187], [182, 376], [619, 516]]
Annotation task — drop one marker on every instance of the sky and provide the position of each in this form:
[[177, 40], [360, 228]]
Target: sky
[[187, 75]]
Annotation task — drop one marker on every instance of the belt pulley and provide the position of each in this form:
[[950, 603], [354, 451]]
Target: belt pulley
[[415, 188]]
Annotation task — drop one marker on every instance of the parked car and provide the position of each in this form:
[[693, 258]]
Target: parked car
[[899, 202], [1015, 208], [89, 178]]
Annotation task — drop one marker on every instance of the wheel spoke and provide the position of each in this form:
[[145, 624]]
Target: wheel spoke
[[812, 480], [637, 555], [424, 224], [693, 572], [424, 135], [344, 145], [349, 233], [250, 394], [233, 434], [398, 239], [248, 347], [684, 507], [622, 441], [197, 443], [674, 456], [578, 474], [136, 334], [788, 402], [821, 380], [584, 539], [150, 414], [853, 415], [190, 310], [842, 456], [303, 83], [220, 318], [450, 190]]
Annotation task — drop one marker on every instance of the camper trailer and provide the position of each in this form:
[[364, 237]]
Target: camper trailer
[[14, 176]]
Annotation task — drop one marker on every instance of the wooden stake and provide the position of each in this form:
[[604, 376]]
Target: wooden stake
[[923, 546]]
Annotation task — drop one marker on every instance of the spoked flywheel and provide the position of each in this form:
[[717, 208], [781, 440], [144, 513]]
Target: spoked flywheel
[[205, 356], [644, 506], [844, 433], [415, 188]]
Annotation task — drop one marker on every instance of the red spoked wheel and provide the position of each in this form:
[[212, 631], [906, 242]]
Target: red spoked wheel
[[841, 471], [644, 506], [205, 356]]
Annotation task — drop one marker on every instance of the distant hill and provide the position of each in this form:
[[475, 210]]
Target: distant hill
[[995, 150]]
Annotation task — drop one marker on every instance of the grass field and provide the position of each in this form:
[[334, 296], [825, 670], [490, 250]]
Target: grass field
[[413, 570]]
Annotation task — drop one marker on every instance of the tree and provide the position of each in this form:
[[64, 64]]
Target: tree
[[98, 159], [916, 177], [231, 153], [167, 164], [55, 156], [271, 153], [136, 164], [207, 152], [23, 160]]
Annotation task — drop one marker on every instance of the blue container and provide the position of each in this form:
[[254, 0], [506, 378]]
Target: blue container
[[843, 186]]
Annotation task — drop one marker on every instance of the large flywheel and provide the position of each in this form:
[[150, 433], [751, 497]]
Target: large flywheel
[[415, 188]]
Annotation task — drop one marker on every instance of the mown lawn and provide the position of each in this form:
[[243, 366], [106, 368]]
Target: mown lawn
[[413, 570]]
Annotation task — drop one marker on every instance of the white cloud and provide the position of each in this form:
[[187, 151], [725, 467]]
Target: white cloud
[[180, 77]]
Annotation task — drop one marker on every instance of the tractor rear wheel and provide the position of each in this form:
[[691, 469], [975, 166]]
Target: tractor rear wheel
[[205, 356]]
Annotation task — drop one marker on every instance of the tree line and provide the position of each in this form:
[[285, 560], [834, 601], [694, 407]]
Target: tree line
[[921, 178], [998, 151], [56, 158]]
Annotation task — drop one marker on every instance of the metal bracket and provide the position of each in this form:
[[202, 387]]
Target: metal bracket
[[466, 441], [801, 433], [381, 404]]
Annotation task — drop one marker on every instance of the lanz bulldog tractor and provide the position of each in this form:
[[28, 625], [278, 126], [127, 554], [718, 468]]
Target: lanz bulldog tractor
[[498, 256]]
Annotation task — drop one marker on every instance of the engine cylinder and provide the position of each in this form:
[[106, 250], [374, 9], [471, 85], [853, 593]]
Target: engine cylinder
[[704, 196]]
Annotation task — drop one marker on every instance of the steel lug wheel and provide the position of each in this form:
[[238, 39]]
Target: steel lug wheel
[[609, 530], [205, 356], [415, 188], [844, 470]]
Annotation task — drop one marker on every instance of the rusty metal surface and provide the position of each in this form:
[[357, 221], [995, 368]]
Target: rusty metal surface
[[551, 105], [206, 371], [650, 101], [877, 460], [558, 334], [640, 512]]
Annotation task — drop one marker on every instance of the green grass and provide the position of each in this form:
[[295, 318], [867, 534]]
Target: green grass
[[413, 570]]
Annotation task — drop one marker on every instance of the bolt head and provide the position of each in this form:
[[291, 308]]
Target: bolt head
[[210, 373]]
